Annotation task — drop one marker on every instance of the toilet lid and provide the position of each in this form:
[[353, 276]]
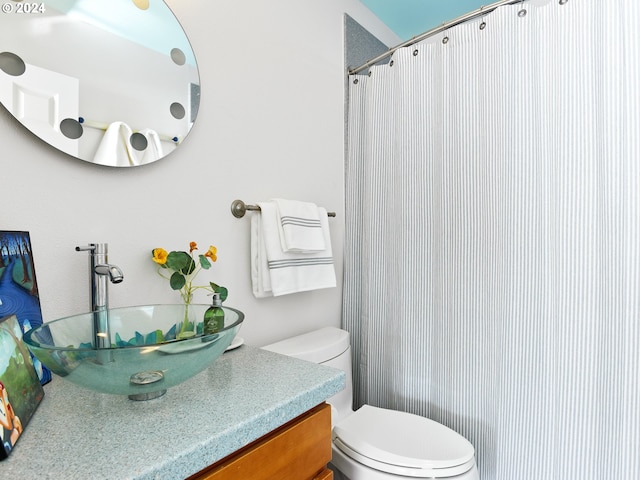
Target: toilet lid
[[402, 439]]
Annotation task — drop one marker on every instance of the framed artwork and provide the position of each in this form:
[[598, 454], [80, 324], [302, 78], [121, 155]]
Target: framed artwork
[[19, 289], [20, 389]]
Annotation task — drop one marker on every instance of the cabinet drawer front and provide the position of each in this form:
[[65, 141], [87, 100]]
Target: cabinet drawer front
[[299, 450]]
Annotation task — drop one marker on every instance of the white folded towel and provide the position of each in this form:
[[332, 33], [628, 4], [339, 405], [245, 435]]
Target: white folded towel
[[260, 279], [299, 225], [115, 149], [274, 272], [153, 151]]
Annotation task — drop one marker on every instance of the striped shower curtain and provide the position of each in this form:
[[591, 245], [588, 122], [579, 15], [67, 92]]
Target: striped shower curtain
[[492, 275]]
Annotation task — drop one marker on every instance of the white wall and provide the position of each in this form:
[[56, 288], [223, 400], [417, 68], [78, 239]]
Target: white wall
[[270, 125]]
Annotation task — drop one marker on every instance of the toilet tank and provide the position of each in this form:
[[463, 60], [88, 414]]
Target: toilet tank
[[327, 346]]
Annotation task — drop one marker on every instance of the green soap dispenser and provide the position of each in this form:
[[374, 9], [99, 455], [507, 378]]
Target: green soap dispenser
[[214, 316]]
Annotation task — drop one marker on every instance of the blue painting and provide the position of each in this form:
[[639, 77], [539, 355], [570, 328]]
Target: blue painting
[[18, 287]]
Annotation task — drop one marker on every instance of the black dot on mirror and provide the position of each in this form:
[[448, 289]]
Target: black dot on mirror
[[71, 128], [177, 111], [138, 141], [178, 56], [12, 64], [141, 4]]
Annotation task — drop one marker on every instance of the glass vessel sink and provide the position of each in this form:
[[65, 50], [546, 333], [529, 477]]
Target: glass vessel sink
[[144, 359]]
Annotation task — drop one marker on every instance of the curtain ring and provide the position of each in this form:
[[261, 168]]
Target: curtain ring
[[562, 2], [415, 52], [445, 39], [523, 11]]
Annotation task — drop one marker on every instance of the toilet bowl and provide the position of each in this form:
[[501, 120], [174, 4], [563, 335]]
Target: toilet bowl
[[375, 443]]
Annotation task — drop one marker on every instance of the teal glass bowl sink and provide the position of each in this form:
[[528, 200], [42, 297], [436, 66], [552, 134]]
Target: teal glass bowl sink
[[143, 359]]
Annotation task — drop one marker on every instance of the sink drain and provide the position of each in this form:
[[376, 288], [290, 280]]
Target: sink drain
[[147, 378]]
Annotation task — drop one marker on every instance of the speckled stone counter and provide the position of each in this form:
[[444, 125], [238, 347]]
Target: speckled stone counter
[[246, 393]]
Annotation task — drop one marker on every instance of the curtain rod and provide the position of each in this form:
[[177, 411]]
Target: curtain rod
[[445, 25]]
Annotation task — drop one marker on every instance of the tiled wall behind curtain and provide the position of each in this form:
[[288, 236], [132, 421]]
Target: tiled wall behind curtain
[[492, 275]]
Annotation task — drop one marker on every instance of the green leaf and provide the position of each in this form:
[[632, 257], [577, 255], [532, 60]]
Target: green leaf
[[178, 260], [204, 262], [224, 293], [181, 262], [177, 281], [190, 267]]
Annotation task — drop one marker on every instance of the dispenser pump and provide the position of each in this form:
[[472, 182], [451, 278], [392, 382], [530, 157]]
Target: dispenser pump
[[217, 302]]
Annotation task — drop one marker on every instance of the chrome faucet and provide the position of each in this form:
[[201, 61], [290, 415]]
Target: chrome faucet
[[99, 270]]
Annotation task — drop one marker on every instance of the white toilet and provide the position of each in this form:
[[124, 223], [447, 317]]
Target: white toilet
[[374, 443]]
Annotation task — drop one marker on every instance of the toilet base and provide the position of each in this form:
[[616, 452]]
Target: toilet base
[[345, 468], [337, 474]]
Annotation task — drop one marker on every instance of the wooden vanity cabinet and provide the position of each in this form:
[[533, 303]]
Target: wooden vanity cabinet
[[299, 450]]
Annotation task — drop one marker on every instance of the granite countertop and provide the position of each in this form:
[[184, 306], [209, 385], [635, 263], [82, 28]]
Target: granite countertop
[[244, 394]]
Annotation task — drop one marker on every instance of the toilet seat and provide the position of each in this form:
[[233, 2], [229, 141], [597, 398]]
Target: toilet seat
[[401, 443]]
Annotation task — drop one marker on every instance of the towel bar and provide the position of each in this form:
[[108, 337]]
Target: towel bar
[[239, 208], [103, 126]]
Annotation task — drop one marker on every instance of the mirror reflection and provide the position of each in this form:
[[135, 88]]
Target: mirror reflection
[[113, 82]]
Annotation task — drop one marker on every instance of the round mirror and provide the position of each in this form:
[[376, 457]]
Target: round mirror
[[112, 82]]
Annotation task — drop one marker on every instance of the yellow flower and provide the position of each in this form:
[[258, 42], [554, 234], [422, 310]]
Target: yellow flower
[[212, 253], [192, 246], [160, 256]]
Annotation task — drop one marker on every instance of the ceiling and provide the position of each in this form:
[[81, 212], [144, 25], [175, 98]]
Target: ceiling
[[408, 18]]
